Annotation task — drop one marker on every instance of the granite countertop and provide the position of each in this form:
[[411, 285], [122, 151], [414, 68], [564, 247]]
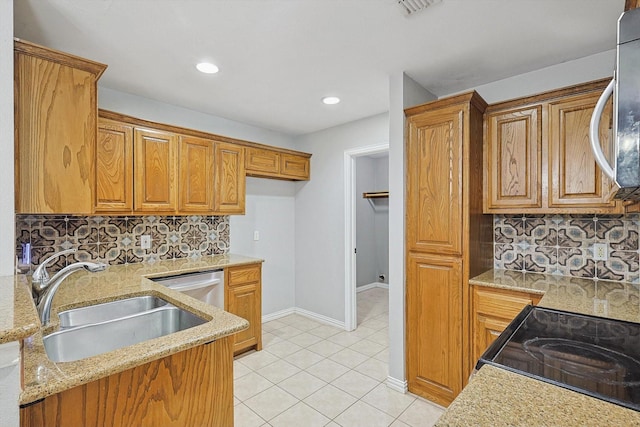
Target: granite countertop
[[497, 397], [604, 298], [42, 377]]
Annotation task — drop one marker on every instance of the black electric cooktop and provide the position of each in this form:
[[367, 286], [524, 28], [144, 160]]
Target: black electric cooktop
[[591, 355]]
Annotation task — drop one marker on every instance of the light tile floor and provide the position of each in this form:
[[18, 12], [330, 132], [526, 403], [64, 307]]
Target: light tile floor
[[311, 374]]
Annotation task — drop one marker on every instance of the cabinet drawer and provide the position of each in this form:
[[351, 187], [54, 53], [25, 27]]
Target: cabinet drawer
[[294, 167], [505, 304], [240, 275]]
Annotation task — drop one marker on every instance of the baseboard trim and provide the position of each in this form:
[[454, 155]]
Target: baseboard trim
[[302, 312], [320, 318], [278, 314], [397, 385], [371, 286]]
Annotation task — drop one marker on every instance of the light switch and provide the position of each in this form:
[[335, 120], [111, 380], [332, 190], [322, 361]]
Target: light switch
[[145, 241], [256, 235]]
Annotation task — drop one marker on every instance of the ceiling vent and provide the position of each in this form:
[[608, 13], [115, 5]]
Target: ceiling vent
[[409, 7]]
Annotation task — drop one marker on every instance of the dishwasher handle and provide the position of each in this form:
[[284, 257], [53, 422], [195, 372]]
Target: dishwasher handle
[[195, 285]]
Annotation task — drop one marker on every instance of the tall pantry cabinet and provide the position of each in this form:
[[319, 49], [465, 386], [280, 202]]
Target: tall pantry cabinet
[[448, 241]]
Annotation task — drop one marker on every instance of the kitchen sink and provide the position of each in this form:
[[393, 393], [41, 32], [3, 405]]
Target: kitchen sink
[[108, 311], [88, 340]]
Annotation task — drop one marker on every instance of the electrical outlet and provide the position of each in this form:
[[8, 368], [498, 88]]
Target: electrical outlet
[[256, 235], [145, 241], [600, 252]]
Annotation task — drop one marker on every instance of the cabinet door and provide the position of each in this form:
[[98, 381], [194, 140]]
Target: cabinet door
[[493, 310], [434, 327], [155, 171], [114, 167], [196, 175], [243, 297], [295, 167], [575, 180], [55, 132], [434, 182], [262, 162], [229, 179], [513, 148]]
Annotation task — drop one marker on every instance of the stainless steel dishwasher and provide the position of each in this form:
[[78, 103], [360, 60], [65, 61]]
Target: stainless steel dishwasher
[[207, 286]]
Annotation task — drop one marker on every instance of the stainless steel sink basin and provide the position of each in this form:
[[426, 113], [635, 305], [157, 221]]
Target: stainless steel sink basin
[[108, 311], [89, 340]]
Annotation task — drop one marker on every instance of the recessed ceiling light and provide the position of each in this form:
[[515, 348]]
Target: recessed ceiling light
[[330, 100], [207, 67]]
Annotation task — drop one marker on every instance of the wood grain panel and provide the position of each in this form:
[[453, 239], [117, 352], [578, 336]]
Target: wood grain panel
[[295, 167], [575, 178], [190, 388], [493, 310], [154, 170], [631, 4], [513, 149], [229, 179], [243, 297], [240, 275], [434, 327], [114, 167], [434, 176], [55, 131], [196, 175], [260, 161]]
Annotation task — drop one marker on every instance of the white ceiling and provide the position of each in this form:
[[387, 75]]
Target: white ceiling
[[278, 58]]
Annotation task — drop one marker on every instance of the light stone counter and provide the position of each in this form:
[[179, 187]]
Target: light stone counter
[[42, 377], [614, 300], [496, 397]]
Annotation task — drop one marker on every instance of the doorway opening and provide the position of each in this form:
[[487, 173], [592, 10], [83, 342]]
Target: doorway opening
[[366, 229]]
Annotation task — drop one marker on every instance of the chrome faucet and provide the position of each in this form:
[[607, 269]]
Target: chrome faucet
[[41, 281]]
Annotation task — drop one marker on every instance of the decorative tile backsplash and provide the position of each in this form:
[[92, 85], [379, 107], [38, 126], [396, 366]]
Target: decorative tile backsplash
[[563, 245], [116, 240]]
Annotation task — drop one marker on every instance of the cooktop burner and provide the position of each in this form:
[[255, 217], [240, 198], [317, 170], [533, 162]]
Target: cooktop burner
[[591, 355]]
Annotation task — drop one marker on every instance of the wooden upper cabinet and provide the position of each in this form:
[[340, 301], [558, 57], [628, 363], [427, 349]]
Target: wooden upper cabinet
[[513, 150], [55, 130], [576, 179], [434, 179], [154, 170], [196, 175], [295, 167], [262, 162], [229, 183], [114, 167], [538, 155], [265, 163]]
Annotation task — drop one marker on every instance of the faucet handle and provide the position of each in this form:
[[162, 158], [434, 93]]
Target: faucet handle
[[40, 274]]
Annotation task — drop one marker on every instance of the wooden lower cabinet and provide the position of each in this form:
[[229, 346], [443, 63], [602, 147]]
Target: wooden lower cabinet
[[434, 327], [493, 310], [190, 388], [243, 297]]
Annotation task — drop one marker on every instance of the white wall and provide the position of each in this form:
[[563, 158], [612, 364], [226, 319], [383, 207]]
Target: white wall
[[403, 92], [10, 375], [569, 73], [270, 210], [366, 269], [7, 213], [149, 109], [381, 226], [320, 257]]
